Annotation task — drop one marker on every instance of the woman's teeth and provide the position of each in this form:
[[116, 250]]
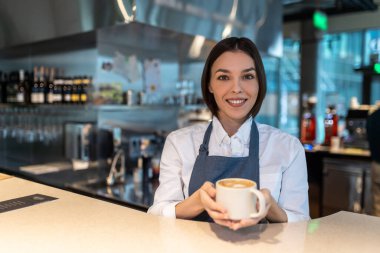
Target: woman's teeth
[[236, 101]]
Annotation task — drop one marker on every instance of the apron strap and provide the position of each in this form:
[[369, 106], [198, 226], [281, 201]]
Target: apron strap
[[206, 138], [254, 140]]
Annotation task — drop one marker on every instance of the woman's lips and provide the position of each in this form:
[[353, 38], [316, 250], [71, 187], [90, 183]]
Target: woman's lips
[[236, 102]]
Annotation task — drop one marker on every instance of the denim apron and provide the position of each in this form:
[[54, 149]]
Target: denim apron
[[213, 168]]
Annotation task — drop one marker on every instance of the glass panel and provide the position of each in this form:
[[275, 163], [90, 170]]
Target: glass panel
[[372, 53], [269, 110], [337, 82], [289, 88], [375, 90], [372, 45]]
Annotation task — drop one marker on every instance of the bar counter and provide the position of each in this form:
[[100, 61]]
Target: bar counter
[[76, 223]]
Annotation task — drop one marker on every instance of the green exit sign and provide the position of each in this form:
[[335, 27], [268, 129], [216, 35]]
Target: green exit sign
[[376, 68], [320, 20]]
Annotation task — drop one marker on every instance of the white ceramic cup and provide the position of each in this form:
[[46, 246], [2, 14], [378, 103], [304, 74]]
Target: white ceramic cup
[[239, 197]]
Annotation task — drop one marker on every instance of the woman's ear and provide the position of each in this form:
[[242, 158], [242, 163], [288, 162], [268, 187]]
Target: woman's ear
[[210, 89]]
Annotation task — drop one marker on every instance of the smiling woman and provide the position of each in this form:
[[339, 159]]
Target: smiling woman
[[194, 158], [234, 87]]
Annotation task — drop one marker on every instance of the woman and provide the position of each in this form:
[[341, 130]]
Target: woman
[[232, 145]]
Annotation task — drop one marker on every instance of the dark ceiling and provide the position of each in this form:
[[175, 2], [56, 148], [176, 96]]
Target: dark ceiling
[[303, 9]]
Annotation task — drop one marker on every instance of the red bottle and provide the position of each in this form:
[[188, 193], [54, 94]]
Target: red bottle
[[308, 126], [331, 124]]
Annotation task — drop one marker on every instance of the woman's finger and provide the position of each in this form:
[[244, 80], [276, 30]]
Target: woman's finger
[[226, 223], [217, 215], [207, 196], [209, 203], [244, 223], [209, 188]]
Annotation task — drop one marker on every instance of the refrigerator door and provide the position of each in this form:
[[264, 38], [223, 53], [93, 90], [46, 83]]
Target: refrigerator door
[[343, 186]]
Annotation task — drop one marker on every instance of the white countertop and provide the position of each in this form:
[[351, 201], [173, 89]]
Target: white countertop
[[75, 223]]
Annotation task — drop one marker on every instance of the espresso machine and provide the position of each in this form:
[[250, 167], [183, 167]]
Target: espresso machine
[[81, 143], [356, 122]]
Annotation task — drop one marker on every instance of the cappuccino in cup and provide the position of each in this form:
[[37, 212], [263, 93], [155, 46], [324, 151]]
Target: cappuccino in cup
[[236, 183], [239, 196]]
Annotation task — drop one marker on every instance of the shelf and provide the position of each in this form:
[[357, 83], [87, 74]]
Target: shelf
[[61, 44]]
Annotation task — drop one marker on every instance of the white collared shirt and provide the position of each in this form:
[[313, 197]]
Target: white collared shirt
[[281, 156]]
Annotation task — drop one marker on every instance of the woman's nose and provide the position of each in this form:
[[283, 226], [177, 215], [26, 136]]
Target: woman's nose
[[236, 88]]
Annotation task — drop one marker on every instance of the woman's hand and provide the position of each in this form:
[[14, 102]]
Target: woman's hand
[[273, 213], [235, 225], [204, 199], [218, 213]]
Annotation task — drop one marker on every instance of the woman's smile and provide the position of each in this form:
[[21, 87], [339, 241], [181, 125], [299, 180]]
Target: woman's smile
[[236, 102]]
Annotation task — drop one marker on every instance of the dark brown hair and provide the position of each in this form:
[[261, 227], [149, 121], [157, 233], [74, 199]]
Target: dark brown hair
[[228, 45]]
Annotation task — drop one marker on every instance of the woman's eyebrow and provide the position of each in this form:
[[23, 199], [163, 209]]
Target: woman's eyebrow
[[249, 69], [227, 71], [222, 70]]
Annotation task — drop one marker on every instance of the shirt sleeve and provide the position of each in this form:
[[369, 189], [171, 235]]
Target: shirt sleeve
[[294, 187], [170, 190]]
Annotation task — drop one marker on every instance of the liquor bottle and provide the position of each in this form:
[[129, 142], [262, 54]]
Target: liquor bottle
[[3, 93], [21, 96], [75, 90], [308, 127], [84, 91], [12, 87], [34, 93], [57, 91], [80, 89], [67, 87], [331, 124], [49, 89], [42, 86], [27, 84]]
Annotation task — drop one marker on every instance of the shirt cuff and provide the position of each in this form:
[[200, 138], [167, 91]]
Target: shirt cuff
[[169, 210]]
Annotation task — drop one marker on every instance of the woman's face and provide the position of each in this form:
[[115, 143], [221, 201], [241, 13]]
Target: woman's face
[[234, 85]]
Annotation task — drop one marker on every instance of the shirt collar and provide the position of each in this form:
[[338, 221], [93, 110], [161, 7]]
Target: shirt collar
[[243, 133]]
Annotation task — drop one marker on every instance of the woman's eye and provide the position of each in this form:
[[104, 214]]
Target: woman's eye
[[248, 77], [222, 77]]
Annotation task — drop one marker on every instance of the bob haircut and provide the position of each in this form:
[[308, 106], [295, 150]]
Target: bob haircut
[[233, 44]]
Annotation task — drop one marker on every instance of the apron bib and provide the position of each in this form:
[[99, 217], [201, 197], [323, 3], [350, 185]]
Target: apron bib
[[214, 168]]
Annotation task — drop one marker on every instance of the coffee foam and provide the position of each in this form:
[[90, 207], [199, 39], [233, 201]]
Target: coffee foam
[[236, 183]]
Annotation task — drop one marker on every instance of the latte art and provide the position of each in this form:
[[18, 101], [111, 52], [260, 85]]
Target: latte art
[[236, 183]]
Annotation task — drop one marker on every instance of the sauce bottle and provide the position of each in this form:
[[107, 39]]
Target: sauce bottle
[[331, 124], [308, 126]]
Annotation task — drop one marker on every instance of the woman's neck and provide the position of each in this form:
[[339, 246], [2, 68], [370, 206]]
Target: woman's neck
[[231, 126]]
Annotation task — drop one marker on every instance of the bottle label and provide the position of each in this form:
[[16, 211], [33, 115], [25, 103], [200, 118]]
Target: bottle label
[[67, 98], [33, 98], [41, 97], [83, 97], [57, 98], [74, 97], [50, 98], [20, 98]]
